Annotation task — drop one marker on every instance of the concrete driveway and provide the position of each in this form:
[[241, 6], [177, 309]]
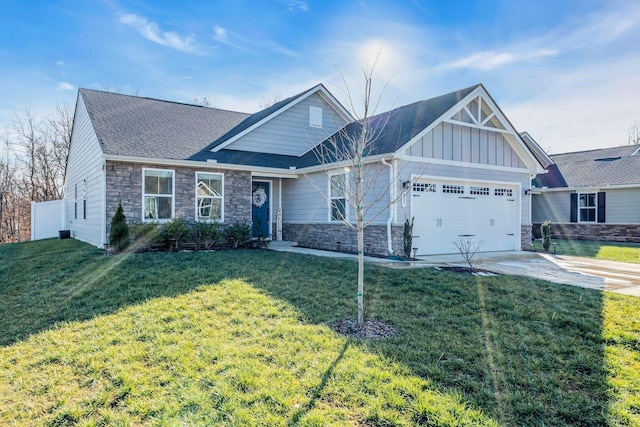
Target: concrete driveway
[[610, 276]]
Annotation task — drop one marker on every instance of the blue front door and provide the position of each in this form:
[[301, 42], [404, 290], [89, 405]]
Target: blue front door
[[260, 213]]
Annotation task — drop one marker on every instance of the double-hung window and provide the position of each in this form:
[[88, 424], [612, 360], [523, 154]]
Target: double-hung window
[[337, 197], [157, 187], [587, 207], [209, 196]]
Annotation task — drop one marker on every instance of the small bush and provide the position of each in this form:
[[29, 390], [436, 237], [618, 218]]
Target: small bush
[[206, 234], [408, 238], [238, 234], [172, 233], [545, 230], [119, 232]]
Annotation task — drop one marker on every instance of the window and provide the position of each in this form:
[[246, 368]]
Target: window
[[453, 189], [587, 207], [157, 188], [503, 192], [338, 201], [479, 191], [424, 187], [75, 203], [315, 117], [84, 199], [209, 201]]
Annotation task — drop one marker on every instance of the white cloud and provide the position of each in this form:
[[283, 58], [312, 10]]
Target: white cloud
[[489, 60], [236, 41], [296, 5], [65, 86], [151, 31], [220, 33]]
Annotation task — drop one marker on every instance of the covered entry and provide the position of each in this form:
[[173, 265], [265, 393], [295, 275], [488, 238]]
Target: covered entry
[[446, 211]]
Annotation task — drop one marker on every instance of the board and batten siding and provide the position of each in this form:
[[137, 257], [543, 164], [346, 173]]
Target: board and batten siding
[[289, 132], [304, 200], [441, 171], [85, 165], [453, 142]]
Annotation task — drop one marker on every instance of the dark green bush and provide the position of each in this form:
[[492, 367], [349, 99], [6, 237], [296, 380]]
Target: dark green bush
[[173, 233], [119, 232], [408, 238], [238, 235], [206, 234], [545, 230]]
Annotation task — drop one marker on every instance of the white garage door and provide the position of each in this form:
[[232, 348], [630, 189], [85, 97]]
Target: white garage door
[[446, 211]]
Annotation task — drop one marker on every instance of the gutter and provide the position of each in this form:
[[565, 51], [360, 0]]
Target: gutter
[[391, 203]]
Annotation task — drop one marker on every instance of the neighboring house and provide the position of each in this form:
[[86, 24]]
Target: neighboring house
[[591, 195], [453, 162]]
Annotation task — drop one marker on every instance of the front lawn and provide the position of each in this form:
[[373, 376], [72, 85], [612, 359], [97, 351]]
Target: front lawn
[[608, 251], [244, 338]]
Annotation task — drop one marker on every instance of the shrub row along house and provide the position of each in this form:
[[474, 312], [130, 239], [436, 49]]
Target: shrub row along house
[[454, 163]]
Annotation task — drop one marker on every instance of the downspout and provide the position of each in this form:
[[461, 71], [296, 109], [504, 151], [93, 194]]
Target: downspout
[[391, 203]]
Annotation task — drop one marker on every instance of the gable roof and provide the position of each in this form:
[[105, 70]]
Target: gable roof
[[144, 127], [396, 127], [260, 117], [593, 168]]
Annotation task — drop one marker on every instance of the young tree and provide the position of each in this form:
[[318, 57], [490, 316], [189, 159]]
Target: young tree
[[350, 150], [119, 232]]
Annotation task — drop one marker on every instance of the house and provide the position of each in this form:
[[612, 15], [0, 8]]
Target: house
[[591, 195], [454, 163]]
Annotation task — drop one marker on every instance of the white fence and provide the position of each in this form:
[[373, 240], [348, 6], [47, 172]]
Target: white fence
[[47, 219]]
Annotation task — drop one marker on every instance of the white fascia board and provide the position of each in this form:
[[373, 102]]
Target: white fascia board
[[463, 164], [402, 151], [345, 163], [336, 105], [207, 165], [592, 188], [317, 88]]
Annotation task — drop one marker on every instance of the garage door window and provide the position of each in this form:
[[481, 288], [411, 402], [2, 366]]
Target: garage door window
[[503, 192], [479, 191], [423, 187], [453, 189]]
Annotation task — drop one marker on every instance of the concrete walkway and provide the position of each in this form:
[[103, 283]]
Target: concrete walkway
[[610, 276]]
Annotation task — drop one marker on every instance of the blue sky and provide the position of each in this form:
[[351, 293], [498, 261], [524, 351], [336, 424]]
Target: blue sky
[[568, 72]]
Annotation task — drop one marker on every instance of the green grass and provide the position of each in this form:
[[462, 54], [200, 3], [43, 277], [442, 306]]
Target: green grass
[[608, 251], [244, 338]]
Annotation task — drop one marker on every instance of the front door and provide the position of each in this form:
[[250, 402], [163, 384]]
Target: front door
[[260, 212]]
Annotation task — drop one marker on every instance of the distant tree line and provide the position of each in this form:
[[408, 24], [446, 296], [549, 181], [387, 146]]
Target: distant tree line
[[33, 159]]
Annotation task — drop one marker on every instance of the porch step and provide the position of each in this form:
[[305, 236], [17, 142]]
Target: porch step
[[280, 245]]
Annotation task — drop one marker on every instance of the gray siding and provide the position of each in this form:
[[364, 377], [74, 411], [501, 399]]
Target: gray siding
[[466, 144], [289, 133], [85, 163], [552, 206], [305, 199], [407, 169], [623, 206]]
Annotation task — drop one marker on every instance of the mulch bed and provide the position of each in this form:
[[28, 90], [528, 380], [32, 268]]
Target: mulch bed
[[367, 329], [467, 270]]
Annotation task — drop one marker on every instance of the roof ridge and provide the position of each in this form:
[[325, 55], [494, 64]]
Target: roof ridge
[[597, 149], [158, 100]]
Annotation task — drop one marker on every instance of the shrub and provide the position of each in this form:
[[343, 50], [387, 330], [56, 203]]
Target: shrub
[[238, 234], [144, 233], [206, 233], [174, 231], [408, 238], [545, 230], [119, 233]]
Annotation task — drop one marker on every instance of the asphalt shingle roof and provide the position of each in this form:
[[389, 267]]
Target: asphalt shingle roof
[[593, 168], [143, 127]]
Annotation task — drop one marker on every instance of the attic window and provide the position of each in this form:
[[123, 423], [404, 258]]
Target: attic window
[[315, 117]]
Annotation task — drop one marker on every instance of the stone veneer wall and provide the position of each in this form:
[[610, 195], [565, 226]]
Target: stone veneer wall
[[605, 232], [526, 235], [342, 238], [124, 183]]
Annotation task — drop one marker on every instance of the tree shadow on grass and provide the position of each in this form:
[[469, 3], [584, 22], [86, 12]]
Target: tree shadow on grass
[[524, 352]]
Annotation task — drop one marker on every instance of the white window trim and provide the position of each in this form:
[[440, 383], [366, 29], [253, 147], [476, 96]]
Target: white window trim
[[330, 198], [594, 207], [84, 199], [315, 117], [173, 195], [221, 220]]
